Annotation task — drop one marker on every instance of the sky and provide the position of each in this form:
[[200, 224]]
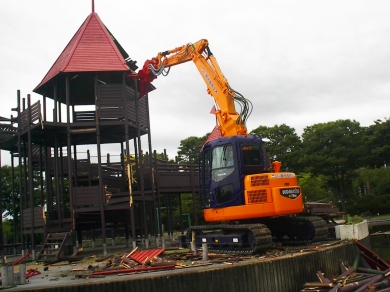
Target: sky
[[299, 62]]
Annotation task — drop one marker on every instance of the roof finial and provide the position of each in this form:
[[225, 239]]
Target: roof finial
[[93, 6]]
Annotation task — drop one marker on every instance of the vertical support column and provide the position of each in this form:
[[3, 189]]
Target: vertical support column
[[56, 171], [127, 235], [168, 210], [158, 209], [205, 252], [79, 238], [22, 272], [41, 187], [75, 168], [11, 278], [99, 153], [62, 180], [1, 219], [193, 244], [89, 167], [25, 185], [55, 111], [193, 190], [69, 156], [57, 179], [132, 208], [152, 169], [181, 215], [44, 107], [16, 233], [4, 275], [20, 174], [31, 177], [49, 191], [141, 164], [93, 238], [132, 217], [127, 153], [112, 236]]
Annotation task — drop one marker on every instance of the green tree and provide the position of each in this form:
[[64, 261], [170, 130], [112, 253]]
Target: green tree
[[188, 208], [8, 229], [314, 188], [9, 195], [372, 181], [190, 147], [334, 149], [378, 144], [284, 145]]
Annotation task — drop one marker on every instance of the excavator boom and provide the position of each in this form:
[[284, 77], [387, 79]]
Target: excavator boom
[[230, 122]]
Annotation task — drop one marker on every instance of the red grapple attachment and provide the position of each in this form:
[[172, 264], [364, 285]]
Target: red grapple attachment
[[145, 76]]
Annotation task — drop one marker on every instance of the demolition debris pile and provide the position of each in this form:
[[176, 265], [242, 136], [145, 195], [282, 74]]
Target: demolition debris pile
[[150, 260], [353, 279]]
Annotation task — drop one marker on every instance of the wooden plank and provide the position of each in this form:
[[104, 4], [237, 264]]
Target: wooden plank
[[111, 113], [39, 221], [86, 196], [142, 112], [111, 101], [83, 116], [114, 182]]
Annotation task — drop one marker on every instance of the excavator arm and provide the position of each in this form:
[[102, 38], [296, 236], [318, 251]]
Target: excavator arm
[[230, 122]]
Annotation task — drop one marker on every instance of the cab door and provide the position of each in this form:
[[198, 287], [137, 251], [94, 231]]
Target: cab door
[[225, 184]]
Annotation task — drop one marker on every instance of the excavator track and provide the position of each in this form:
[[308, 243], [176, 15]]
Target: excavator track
[[255, 238], [231, 238], [298, 230]]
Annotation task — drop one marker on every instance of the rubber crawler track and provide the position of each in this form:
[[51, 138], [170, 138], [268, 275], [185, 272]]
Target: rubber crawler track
[[285, 225], [260, 233]]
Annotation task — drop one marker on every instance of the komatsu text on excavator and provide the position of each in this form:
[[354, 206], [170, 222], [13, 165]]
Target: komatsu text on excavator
[[238, 186]]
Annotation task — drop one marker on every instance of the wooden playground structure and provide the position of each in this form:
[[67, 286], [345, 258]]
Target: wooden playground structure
[[63, 189]]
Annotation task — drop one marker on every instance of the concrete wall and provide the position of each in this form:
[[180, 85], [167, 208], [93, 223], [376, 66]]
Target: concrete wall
[[283, 274], [354, 231]]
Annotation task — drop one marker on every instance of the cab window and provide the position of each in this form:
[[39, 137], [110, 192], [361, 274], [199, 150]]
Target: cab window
[[222, 162]]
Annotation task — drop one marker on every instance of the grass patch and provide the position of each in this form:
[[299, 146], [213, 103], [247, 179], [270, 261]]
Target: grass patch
[[384, 216], [353, 220]]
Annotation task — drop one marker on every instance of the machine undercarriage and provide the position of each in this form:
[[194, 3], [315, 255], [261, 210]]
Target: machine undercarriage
[[254, 238]]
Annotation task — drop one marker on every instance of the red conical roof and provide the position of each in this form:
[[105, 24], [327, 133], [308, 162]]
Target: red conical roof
[[91, 49]]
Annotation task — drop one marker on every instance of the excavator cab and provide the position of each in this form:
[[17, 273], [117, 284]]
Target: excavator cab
[[223, 164], [237, 182]]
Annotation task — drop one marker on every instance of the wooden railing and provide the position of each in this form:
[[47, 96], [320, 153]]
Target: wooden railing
[[84, 116], [34, 112], [86, 196], [39, 219]]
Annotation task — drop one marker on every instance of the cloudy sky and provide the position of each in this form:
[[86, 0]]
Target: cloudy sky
[[299, 62]]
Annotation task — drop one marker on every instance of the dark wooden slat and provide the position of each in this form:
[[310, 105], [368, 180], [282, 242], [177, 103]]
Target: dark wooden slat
[[38, 218], [83, 116]]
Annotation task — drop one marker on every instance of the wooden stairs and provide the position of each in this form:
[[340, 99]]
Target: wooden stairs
[[55, 246]]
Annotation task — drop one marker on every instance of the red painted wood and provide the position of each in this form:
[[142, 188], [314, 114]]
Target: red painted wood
[[90, 50]]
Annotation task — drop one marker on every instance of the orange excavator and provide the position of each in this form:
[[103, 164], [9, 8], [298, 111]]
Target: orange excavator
[[238, 186]]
